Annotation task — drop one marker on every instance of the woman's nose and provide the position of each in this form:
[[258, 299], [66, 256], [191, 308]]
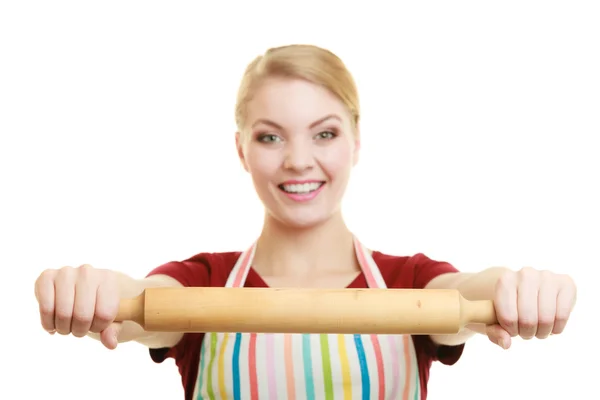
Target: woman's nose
[[298, 156]]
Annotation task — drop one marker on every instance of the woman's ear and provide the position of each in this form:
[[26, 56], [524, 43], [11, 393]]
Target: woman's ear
[[239, 144], [356, 144]]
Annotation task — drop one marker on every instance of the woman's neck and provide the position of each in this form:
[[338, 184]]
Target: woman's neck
[[283, 251]]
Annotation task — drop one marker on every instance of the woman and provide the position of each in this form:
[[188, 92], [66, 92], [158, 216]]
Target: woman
[[298, 137]]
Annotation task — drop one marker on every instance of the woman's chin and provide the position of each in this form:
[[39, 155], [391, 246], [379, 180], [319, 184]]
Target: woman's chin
[[304, 219]]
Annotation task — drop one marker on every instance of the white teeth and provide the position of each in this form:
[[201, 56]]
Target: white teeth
[[302, 188]]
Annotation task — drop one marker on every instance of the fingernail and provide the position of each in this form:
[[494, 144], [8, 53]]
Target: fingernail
[[52, 332]]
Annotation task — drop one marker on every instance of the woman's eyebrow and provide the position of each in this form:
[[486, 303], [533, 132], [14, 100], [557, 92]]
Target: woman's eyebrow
[[265, 121]]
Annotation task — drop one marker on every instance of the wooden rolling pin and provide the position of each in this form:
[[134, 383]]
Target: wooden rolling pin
[[269, 310]]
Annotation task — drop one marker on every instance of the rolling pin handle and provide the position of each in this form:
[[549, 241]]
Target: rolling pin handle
[[477, 312], [132, 310]]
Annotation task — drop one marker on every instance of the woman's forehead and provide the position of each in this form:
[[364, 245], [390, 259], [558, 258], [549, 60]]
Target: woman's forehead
[[294, 102]]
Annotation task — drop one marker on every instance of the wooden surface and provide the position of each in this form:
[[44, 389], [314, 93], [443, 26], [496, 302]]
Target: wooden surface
[[262, 310]]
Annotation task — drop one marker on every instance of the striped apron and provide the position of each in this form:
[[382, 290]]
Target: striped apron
[[307, 366]]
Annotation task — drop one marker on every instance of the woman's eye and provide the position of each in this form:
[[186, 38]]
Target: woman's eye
[[268, 138], [326, 135]]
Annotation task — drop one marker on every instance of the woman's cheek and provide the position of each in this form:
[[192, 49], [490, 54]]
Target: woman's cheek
[[263, 163], [336, 160]]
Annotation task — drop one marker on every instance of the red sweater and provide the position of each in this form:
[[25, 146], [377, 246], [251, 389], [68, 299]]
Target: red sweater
[[212, 269]]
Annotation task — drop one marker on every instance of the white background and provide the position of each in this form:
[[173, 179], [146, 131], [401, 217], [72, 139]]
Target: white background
[[479, 124]]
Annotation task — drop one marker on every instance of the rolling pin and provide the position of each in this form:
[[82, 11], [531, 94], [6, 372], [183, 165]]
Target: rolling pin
[[294, 310]]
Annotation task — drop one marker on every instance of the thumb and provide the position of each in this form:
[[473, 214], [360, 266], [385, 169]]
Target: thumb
[[110, 336], [498, 335]]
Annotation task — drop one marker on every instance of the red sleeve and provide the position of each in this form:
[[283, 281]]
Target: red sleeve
[[425, 269], [192, 272]]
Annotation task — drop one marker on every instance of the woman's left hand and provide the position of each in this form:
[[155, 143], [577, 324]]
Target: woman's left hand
[[531, 303]]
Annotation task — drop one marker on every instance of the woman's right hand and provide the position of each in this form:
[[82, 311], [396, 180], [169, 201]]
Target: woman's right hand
[[79, 301]]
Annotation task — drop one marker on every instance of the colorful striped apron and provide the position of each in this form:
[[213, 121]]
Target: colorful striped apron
[[307, 366]]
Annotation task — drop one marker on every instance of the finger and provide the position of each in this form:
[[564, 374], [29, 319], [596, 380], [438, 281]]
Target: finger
[[498, 335], [527, 303], [44, 292], [565, 303], [107, 305], [85, 301], [547, 299], [110, 336], [64, 298], [505, 303]]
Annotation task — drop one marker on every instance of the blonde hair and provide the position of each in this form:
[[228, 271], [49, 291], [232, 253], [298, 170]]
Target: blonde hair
[[307, 62]]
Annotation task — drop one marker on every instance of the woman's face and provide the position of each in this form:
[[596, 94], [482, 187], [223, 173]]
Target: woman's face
[[299, 147]]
